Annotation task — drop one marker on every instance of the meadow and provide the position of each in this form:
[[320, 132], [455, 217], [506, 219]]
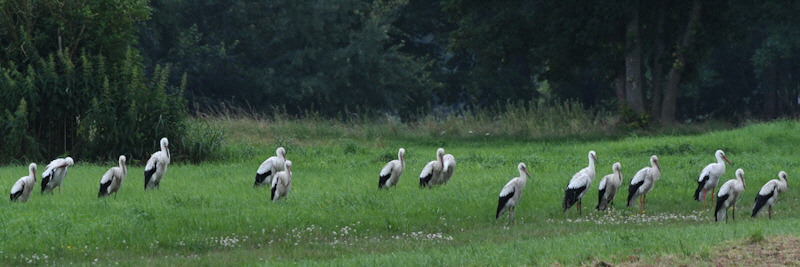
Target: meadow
[[209, 214]]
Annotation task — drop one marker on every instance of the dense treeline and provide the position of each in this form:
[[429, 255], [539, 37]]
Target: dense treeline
[[78, 77], [656, 60]]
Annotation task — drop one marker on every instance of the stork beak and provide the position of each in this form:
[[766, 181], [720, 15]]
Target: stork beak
[[528, 174], [726, 159]]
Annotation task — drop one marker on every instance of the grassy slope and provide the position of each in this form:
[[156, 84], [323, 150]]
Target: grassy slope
[[209, 214]]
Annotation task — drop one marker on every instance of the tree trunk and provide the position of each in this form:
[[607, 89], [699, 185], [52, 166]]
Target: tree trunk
[[770, 91], [657, 84], [633, 63], [674, 76]]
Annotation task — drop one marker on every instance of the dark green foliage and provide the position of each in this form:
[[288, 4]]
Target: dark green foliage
[[317, 56], [73, 85]]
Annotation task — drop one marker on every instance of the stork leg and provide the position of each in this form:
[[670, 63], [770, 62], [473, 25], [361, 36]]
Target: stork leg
[[59, 190], [733, 213], [769, 212], [705, 194], [580, 209]]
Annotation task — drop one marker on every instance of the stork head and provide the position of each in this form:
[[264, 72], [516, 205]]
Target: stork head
[[654, 162], [721, 156], [592, 156], [523, 169], [439, 153], [122, 160], [617, 167], [281, 152], [401, 154], [68, 162], [782, 175], [288, 166], [740, 175], [32, 170]]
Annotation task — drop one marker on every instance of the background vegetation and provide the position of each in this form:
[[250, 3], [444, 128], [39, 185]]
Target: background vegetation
[[94, 79]]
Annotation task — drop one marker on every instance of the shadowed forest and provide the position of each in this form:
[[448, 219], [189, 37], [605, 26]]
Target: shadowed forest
[[95, 79]]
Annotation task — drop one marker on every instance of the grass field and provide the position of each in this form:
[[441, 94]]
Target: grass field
[[209, 214]]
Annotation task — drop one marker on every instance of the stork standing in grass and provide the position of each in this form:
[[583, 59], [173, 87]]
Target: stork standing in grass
[[709, 178], [432, 171], [157, 166], [282, 182], [511, 193], [112, 179], [269, 167], [448, 167], [579, 185], [643, 182], [608, 188], [769, 194], [54, 174], [390, 174], [728, 196], [21, 190]]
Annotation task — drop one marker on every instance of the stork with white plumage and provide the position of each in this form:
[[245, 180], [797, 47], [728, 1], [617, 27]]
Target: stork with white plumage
[[728, 196], [769, 193], [112, 179], [643, 182], [157, 166], [282, 182], [432, 171], [391, 172], [608, 188], [54, 174], [448, 167], [579, 185], [511, 193], [21, 190], [269, 167], [709, 178]]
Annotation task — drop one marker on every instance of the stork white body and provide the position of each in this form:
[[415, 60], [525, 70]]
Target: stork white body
[[448, 167], [769, 193], [157, 166], [282, 182], [391, 172], [269, 167], [432, 171], [21, 190], [579, 185], [728, 196], [112, 179], [608, 188], [709, 178], [511, 193], [643, 182], [54, 174]]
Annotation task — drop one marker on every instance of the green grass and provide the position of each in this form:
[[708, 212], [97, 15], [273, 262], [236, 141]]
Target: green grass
[[209, 214]]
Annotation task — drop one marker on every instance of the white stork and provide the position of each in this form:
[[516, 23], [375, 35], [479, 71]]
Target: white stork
[[112, 179], [709, 178], [269, 167], [282, 182], [608, 188], [728, 196], [448, 167], [642, 183], [432, 171], [21, 190], [511, 193], [769, 194], [390, 174], [579, 184], [54, 174], [157, 166]]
